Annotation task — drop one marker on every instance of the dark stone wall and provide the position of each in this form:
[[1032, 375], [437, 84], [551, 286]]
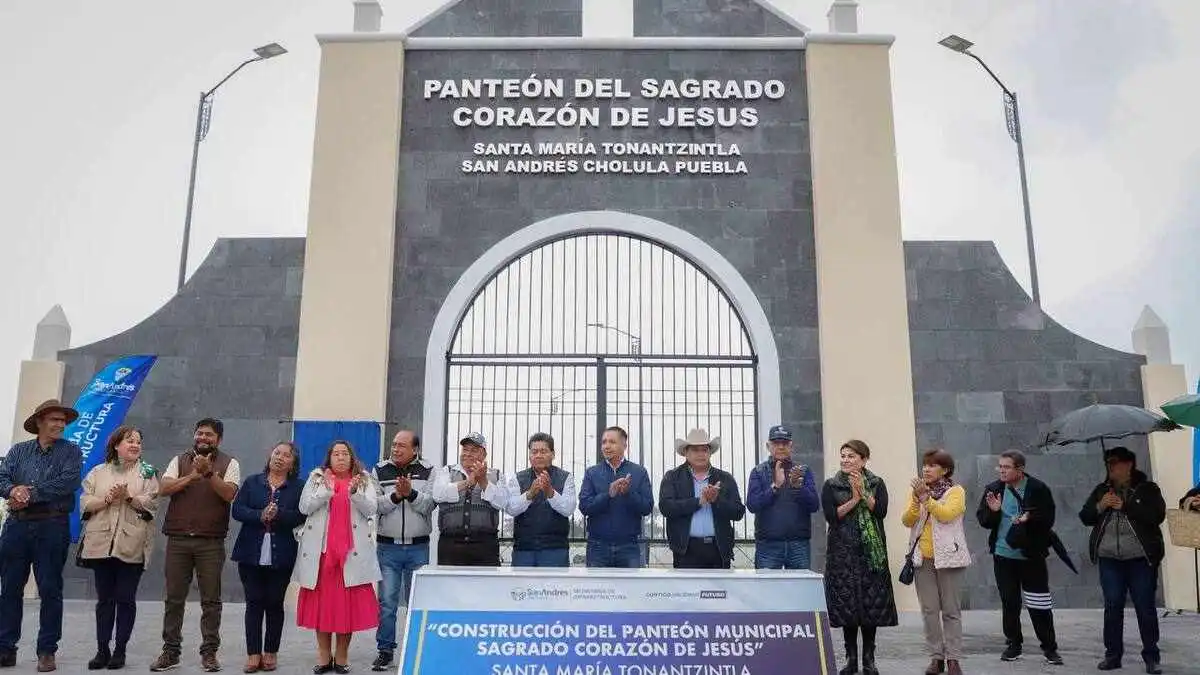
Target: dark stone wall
[[708, 18], [507, 18], [761, 222], [226, 347], [990, 371]]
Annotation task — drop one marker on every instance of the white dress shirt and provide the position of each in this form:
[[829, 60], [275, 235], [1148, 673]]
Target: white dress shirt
[[563, 502]]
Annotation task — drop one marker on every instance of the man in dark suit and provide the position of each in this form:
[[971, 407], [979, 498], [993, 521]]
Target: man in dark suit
[[700, 503]]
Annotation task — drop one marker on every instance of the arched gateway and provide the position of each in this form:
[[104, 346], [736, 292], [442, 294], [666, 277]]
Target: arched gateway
[[603, 318]]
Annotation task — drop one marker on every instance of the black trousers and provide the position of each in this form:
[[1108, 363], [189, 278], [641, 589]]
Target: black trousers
[[1028, 582], [473, 553], [116, 600], [700, 554], [265, 589]]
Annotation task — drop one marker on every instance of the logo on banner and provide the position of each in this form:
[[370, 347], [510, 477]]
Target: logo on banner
[[521, 594]]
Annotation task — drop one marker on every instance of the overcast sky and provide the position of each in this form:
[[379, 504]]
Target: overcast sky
[[99, 106]]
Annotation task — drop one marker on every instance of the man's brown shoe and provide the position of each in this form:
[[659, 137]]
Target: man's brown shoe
[[952, 667], [165, 661], [209, 663], [46, 663]]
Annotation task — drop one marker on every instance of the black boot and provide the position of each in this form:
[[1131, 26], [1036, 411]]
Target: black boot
[[868, 660], [117, 661], [851, 661], [100, 660]]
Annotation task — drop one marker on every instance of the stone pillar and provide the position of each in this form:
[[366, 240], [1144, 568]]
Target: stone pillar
[[866, 368], [346, 303], [41, 378], [1170, 453]]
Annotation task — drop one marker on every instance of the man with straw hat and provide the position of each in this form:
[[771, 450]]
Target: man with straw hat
[[39, 479], [700, 503]]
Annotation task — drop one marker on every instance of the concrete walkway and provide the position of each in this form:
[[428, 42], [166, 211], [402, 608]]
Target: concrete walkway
[[901, 649]]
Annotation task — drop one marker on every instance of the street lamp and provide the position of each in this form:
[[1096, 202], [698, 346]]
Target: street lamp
[[1013, 119], [203, 115]]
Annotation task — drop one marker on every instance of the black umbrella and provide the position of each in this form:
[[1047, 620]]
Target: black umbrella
[[1105, 422]]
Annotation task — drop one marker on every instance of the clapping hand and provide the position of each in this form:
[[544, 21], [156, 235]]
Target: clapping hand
[[619, 486], [403, 486], [919, 488], [796, 476], [709, 493], [542, 484], [780, 475], [994, 501], [357, 482], [269, 513], [202, 464], [1192, 503], [856, 485], [1110, 500]]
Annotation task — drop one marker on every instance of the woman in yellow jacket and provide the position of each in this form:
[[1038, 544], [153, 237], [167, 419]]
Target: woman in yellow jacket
[[119, 499], [935, 516]]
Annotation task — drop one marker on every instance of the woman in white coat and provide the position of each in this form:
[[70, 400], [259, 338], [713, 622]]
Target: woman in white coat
[[337, 563]]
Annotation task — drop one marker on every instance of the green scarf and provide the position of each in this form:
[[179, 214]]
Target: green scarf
[[868, 526]]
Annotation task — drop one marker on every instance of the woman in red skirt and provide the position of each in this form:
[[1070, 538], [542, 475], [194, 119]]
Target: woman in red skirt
[[337, 564]]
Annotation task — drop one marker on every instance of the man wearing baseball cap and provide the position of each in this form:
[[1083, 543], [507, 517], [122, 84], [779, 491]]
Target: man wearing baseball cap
[[470, 497], [783, 496], [39, 479]]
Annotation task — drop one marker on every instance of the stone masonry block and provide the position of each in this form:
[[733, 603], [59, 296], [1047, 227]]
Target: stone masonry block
[[981, 407]]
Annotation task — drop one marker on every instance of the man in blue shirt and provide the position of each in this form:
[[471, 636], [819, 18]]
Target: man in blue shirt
[[39, 479], [1018, 499], [782, 496], [615, 497], [700, 503]]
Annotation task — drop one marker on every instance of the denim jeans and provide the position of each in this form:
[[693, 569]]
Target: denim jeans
[[1139, 579], [792, 554], [41, 545], [605, 554], [554, 557], [397, 562]]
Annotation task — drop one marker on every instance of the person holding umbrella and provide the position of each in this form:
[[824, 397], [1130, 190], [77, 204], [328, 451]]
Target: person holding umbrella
[[1125, 512]]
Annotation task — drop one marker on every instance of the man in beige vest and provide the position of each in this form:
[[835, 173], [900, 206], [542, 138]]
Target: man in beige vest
[[201, 483]]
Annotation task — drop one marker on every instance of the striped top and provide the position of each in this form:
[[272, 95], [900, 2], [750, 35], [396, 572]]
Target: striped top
[[53, 474]]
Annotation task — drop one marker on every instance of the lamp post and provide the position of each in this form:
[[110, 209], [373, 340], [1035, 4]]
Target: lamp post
[[635, 348], [203, 115], [1013, 119]]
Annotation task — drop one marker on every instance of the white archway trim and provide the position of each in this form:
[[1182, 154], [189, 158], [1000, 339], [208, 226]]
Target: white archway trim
[[545, 231]]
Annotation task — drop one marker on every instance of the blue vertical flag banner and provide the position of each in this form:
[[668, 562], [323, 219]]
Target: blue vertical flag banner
[[102, 406]]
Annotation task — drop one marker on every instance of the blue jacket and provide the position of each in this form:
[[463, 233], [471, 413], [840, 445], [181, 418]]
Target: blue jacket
[[248, 506], [615, 520], [784, 514]]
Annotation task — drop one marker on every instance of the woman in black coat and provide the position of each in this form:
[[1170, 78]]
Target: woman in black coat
[[858, 584]]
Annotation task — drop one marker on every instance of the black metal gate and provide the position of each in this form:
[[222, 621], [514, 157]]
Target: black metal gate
[[596, 330]]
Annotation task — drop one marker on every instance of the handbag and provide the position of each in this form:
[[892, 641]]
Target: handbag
[[80, 561], [909, 570]]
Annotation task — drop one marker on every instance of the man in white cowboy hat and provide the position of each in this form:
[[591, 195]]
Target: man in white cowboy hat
[[39, 479], [700, 503]]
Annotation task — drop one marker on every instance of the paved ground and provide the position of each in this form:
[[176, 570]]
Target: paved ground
[[900, 651]]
